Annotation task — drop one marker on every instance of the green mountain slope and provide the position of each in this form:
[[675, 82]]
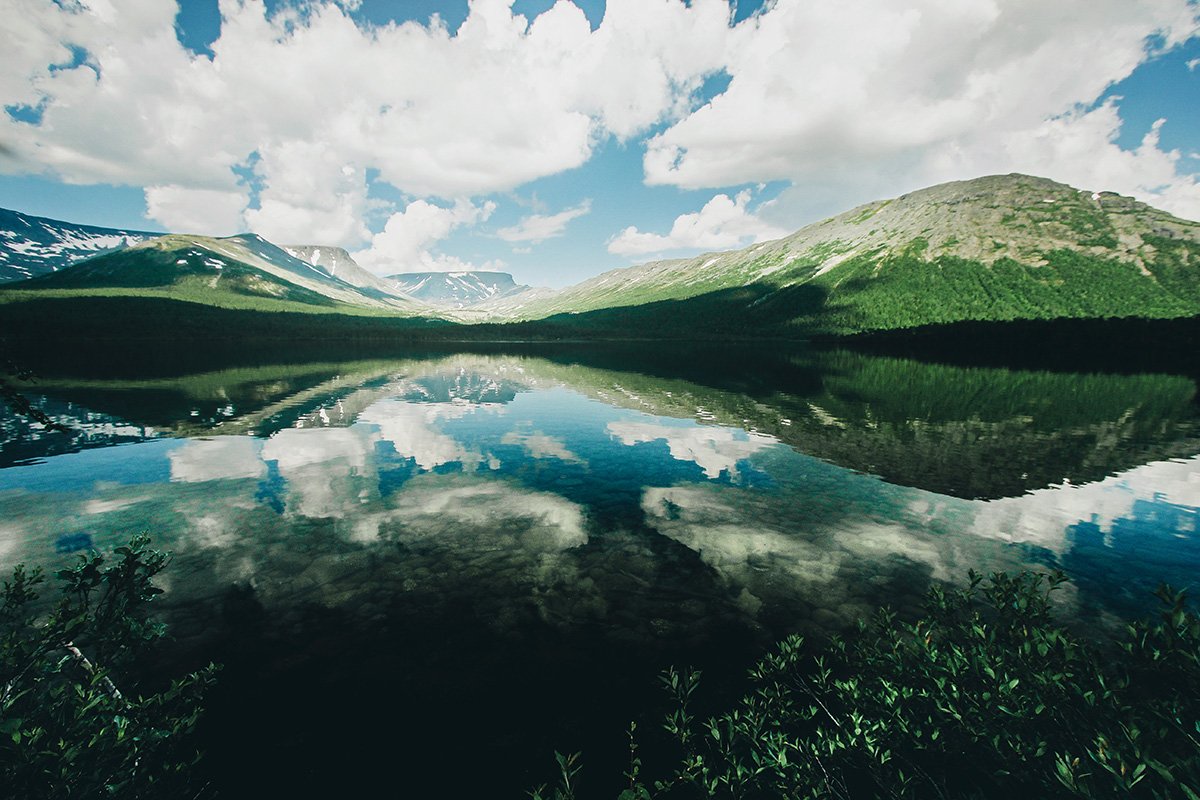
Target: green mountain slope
[[1002, 247], [998, 248], [238, 272]]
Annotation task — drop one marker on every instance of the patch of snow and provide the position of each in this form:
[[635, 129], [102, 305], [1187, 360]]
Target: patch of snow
[[832, 262], [769, 270]]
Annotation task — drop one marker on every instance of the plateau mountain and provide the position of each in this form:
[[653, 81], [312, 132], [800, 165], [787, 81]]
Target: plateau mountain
[[456, 289]]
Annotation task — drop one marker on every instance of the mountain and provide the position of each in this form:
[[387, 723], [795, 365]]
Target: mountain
[[31, 246], [1001, 247], [503, 307], [455, 289], [338, 263], [243, 271]]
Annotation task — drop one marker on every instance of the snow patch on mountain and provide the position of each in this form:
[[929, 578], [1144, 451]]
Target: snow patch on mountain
[[337, 263], [31, 246], [457, 290]]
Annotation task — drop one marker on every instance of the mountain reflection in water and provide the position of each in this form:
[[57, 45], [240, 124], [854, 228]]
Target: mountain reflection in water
[[502, 510]]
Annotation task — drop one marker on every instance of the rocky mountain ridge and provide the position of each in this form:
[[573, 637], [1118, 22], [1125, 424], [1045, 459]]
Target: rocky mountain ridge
[[338, 263], [31, 246], [245, 265]]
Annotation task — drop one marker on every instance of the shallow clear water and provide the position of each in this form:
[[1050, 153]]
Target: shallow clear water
[[392, 555]]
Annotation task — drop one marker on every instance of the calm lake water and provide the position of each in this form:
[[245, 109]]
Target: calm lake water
[[451, 564]]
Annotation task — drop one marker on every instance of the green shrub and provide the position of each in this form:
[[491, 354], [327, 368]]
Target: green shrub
[[73, 721], [986, 696]]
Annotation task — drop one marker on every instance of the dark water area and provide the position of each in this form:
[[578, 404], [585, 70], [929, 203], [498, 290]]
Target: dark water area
[[1128, 346], [430, 569]]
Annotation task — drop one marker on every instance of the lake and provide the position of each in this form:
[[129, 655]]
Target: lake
[[439, 564]]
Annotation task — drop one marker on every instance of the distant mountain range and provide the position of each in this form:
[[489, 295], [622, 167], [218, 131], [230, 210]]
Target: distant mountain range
[[31, 246], [243, 271], [1002, 247], [456, 289]]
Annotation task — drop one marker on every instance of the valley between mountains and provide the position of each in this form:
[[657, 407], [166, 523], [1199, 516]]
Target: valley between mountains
[[995, 249]]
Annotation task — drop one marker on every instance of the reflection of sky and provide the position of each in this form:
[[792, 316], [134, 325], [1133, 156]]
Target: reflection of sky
[[143, 462], [475, 465], [1040, 516], [715, 450], [200, 460]]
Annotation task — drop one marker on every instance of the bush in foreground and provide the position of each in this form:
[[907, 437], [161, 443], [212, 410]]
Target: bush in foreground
[[985, 697], [72, 720]]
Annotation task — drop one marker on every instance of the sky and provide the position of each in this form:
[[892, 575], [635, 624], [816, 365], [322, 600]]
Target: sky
[[555, 139]]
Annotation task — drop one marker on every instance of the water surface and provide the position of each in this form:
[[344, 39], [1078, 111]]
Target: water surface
[[398, 558]]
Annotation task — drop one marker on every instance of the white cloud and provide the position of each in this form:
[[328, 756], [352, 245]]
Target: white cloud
[[847, 103], [500, 102], [538, 228], [309, 194], [1078, 149], [1191, 65], [722, 223], [212, 212], [329, 471], [405, 241], [856, 105]]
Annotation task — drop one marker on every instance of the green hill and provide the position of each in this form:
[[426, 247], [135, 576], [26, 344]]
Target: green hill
[[239, 272], [1003, 247]]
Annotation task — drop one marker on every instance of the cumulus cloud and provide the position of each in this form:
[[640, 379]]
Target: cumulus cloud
[[405, 241], [537, 228], [499, 102], [1078, 149], [844, 106], [889, 98], [212, 212], [309, 194], [722, 223]]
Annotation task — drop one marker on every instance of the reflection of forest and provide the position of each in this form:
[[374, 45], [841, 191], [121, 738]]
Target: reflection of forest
[[967, 432]]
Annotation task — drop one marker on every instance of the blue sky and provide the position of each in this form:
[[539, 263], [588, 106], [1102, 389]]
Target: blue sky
[[555, 141]]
